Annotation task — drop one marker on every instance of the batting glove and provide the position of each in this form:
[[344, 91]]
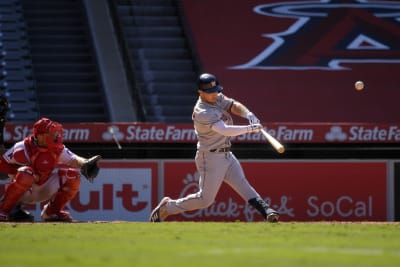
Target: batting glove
[[254, 128], [252, 118]]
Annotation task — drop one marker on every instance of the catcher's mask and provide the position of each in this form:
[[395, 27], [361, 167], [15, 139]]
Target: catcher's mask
[[53, 130], [208, 83]]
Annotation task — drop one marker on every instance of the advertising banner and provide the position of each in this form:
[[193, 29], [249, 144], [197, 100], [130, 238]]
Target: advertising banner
[[143, 133], [300, 191]]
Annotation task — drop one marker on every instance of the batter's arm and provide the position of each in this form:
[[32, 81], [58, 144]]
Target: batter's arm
[[234, 130], [241, 110]]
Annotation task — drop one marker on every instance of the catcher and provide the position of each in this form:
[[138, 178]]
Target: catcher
[[41, 168]]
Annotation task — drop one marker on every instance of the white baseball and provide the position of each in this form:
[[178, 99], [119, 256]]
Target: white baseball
[[359, 85]]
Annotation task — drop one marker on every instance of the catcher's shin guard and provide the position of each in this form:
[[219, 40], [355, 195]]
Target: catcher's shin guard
[[268, 213], [14, 191], [67, 191]]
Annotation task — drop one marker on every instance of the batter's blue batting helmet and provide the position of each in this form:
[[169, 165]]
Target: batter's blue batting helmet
[[208, 83]]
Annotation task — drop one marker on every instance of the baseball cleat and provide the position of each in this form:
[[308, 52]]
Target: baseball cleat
[[272, 215], [156, 215], [18, 214], [61, 216]]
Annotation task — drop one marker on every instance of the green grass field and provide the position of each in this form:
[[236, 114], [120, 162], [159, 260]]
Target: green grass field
[[200, 244]]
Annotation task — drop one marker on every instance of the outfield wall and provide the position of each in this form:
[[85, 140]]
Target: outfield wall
[[301, 190], [330, 171]]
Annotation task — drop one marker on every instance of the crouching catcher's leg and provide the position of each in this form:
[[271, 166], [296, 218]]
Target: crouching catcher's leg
[[23, 182], [53, 211]]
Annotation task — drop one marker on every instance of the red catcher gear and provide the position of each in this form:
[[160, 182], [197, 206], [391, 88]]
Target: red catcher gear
[[23, 182], [54, 131], [8, 168], [42, 160], [62, 216], [66, 193]]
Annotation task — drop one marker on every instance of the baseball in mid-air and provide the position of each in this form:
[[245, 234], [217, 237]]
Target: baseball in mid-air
[[359, 85]]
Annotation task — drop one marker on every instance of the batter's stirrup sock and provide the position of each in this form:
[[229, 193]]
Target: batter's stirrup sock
[[260, 205]]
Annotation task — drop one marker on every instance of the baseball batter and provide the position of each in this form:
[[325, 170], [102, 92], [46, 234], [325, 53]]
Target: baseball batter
[[215, 162]]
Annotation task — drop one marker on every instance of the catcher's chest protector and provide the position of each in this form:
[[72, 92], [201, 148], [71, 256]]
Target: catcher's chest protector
[[41, 160]]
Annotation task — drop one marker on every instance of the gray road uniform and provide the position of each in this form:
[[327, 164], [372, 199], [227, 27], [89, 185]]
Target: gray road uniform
[[214, 161]]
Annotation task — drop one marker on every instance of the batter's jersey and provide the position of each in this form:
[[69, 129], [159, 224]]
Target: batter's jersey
[[205, 115]]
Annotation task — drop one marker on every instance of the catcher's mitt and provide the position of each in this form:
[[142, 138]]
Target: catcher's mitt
[[90, 169]]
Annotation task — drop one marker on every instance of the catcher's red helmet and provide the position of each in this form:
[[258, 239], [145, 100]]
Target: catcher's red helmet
[[53, 129]]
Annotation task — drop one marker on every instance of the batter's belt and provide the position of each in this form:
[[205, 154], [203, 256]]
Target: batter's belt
[[221, 150]]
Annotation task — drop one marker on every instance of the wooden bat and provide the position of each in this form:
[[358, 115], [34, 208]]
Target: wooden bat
[[112, 132], [275, 143]]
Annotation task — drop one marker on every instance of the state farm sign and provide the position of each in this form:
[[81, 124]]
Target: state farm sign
[[184, 133], [300, 191]]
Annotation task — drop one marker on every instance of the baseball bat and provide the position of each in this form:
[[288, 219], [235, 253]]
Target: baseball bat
[[275, 143], [112, 132]]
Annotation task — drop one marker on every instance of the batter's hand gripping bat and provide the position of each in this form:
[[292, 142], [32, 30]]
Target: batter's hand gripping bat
[[275, 143]]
